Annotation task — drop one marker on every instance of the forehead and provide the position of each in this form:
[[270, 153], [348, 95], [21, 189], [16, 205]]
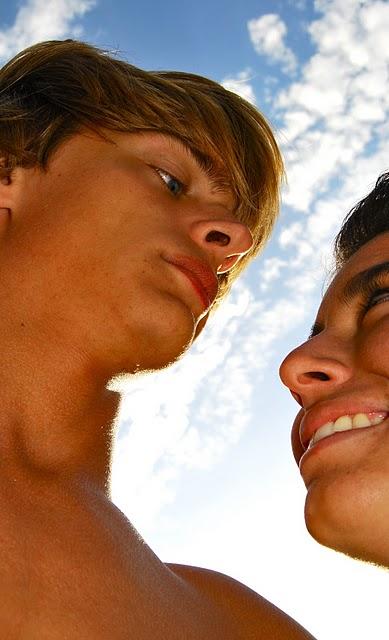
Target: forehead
[[374, 252]]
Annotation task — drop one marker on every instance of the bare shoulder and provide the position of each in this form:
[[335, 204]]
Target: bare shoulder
[[256, 617]]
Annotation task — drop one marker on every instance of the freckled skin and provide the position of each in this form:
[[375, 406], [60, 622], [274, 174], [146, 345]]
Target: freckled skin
[[86, 296], [347, 505]]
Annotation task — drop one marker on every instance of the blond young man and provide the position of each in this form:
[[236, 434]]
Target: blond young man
[[129, 201]]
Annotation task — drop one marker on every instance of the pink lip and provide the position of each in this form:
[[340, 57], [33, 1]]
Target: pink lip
[[203, 279], [315, 418]]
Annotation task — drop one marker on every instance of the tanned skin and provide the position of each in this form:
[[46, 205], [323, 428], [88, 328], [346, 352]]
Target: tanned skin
[[87, 293], [343, 369]]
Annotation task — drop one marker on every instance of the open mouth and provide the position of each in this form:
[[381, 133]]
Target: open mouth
[[346, 423]]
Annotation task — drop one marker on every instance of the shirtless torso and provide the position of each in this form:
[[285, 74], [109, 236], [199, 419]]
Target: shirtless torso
[[74, 568]]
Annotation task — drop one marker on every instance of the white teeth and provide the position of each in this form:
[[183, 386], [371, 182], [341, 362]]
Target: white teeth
[[361, 420], [345, 423], [323, 432]]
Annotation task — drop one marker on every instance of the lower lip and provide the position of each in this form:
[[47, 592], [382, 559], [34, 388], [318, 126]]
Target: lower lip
[[336, 439], [197, 286]]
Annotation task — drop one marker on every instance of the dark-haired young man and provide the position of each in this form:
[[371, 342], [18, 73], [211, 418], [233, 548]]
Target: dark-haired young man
[[129, 201], [340, 377]]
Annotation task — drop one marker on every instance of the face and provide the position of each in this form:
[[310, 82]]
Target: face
[[117, 246], [340, 377]]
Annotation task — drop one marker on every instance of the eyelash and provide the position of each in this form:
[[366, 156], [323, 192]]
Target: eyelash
[[374, 291], [163, 174]]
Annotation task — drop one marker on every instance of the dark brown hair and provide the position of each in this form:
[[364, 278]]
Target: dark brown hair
[[51, 90], [365, 221]]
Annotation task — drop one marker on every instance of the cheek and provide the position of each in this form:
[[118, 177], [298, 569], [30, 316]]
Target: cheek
[[374, 348]]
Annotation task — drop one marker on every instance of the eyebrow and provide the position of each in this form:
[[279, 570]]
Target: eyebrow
[[356, 286], [216, 175], [214, 172]]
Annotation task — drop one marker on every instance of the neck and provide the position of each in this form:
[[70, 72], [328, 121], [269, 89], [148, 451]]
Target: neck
[[57, 414]]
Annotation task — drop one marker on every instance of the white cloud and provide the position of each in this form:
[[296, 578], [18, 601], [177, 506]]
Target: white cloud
[[267, 34], [241, 85], [333, 113], [270, 271], [39, 20], [336, 133], [290, 235]]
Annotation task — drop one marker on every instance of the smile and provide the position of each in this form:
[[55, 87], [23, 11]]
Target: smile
[[346, 423]]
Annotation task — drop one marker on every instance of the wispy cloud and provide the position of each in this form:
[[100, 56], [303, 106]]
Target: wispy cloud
[[267, 34], [241, 84], [39, 20], [333, 113], [271, 270]]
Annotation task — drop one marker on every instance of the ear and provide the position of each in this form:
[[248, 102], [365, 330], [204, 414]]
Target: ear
[[6, 201], [6, 190]]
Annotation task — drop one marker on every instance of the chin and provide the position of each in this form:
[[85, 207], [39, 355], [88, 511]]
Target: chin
[[343, 513], [358, 547], [154, 334], [164, 358], [161, 341]]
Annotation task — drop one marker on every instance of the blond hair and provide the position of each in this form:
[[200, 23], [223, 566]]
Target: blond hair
[[51, 90]]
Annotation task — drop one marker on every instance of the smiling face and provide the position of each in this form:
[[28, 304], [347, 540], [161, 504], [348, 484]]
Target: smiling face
[[115, 249], [340, 437]]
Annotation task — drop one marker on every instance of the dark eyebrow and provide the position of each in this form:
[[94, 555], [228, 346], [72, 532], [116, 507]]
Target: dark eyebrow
[[356, 286]]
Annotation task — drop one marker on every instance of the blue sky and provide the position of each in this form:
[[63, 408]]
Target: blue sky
[[202, 463]]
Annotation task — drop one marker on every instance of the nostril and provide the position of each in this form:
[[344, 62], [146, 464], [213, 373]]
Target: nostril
[[318, 375], [222, 239]]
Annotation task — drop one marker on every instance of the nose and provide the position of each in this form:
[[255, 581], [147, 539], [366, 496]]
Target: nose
[[315, 369], [224, 241]]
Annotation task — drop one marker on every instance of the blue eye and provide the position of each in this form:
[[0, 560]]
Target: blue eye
[[175, 186]]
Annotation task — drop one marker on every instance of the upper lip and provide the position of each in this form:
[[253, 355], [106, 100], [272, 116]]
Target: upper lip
[[202, 274], [316, 417]]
